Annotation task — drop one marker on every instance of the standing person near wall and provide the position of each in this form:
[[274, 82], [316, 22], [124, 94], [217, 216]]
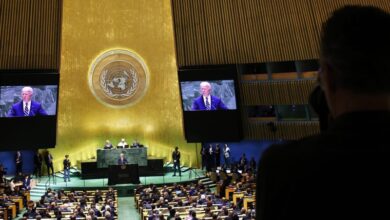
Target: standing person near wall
[[37, 164], [217, 155], [18, 162], [49, 163], [226, 156], [176, 161], [204, 156], [210, 158], [66, 163]]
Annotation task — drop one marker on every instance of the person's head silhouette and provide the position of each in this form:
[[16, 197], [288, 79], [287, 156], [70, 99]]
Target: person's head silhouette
[[354, 59]]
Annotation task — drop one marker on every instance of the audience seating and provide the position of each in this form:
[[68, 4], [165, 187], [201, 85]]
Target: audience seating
[[238, 199]]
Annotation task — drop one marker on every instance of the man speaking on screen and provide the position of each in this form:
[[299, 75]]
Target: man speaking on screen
[[26, 107], [207, 101]]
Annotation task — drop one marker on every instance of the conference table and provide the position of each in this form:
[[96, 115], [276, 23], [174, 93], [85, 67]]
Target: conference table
[[108, 157]]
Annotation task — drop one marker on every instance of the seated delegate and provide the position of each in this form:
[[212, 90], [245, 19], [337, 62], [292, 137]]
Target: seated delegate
[[122, 144]]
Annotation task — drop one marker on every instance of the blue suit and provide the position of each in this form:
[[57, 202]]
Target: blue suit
[[26, 184], [216, 104], [122, 162], [35, 109]]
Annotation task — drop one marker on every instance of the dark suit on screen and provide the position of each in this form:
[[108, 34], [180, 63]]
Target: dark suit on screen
[[216, 104], [35, 109]]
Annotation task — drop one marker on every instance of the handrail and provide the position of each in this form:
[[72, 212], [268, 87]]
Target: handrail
[[191, 170], [48, 181]]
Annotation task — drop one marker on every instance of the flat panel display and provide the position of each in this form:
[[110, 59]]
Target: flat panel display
[[28, 109], [211, 108]]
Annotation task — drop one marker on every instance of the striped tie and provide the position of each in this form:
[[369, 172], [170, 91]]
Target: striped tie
[[26, 110], [207, 104]]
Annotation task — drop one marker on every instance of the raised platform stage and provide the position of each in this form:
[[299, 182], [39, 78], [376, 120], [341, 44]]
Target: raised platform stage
[[89, 169], [78, 183]]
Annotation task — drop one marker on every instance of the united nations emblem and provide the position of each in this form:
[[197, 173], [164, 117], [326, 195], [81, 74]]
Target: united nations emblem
[[118, 78]]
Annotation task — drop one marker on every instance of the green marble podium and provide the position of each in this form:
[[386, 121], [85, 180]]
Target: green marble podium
[[109, 157]]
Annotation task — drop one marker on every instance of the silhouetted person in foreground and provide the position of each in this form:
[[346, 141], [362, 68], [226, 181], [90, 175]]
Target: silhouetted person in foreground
[[340, 173], [317, 101]]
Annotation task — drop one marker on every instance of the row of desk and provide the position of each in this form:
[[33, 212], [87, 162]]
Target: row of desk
[[13, 207], [230, 193]]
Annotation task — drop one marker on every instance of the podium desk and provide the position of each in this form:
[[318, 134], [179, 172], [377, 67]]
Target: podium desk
[[107, 157], [123, 174]]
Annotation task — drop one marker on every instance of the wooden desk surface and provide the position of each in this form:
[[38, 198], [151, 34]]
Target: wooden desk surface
[[248, 199], [229, 190]]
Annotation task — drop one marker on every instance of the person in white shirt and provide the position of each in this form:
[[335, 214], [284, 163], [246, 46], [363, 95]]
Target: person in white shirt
[[122, 144]]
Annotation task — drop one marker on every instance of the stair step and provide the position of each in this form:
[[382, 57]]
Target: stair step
[[37, 190], [205, 179], [36, 194]]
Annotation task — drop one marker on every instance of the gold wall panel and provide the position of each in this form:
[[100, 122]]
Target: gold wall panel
[[268, 92], [30, 34], [252, 31], [286, 130], [92, 27]]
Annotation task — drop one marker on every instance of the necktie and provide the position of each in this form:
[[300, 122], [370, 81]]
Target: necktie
[[207, 104], [26, 110]]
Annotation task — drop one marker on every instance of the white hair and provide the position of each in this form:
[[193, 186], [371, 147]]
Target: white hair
[[28, 89], [205, 84]]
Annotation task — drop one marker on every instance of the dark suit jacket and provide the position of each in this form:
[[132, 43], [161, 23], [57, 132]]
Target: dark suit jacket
[[216, 104], [341, 173], [122, 162], [18, 160], [35, 109], [26, 183], [49, 159], [66, 163], [176, 156]]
